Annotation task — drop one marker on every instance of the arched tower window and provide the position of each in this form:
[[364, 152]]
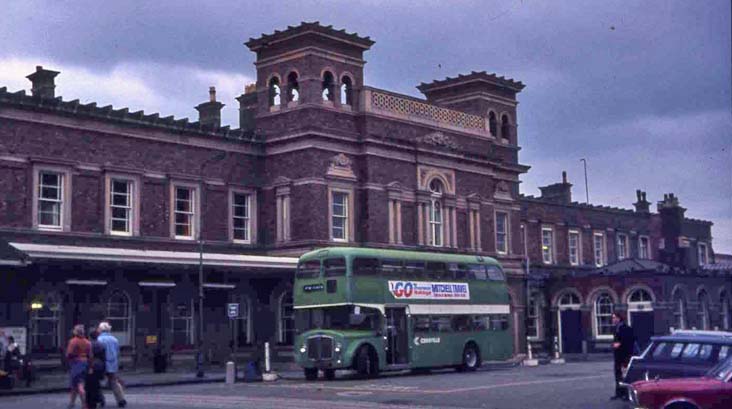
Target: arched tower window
[[679, 302], [286, 315], [436, 212], [703, 311], [604, 307], [328, 90], [505, 128], [293, 88], [346, 91], [45, 323], [492, 123], [119, 317], [274, 92]]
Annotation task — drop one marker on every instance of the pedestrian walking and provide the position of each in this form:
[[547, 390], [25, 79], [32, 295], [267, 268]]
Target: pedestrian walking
[[623, 343], [78, 354], [111, 350], [11, 361], [94, 395]]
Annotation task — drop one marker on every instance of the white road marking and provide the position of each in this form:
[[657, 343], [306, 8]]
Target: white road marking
[[416, 389]]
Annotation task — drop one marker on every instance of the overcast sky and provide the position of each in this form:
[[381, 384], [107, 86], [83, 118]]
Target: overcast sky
[[641, 89]]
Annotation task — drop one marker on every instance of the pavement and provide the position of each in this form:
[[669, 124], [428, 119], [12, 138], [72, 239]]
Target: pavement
[[57, 381], [577, 385]]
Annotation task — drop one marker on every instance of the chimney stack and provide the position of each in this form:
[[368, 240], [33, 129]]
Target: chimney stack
[[558, 192], [209, 113], [248, 107], [43, 83], [641, 205]]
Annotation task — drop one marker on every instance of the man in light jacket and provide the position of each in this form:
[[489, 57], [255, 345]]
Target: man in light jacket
[[111, 348]]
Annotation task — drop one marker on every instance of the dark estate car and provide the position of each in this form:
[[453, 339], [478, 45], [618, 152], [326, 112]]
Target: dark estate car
[[712, 391], [682, 354]]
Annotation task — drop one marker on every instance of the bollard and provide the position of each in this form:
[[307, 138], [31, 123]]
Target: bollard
[[230, 373], [266, 357], [557, 359], [530, 361]]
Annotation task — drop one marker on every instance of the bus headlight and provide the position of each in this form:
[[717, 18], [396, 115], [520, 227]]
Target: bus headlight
[[338, 347], [303, 349]]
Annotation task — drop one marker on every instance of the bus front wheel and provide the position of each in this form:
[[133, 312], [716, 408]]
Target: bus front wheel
[[311, 374], [471, 358], [367, 364]]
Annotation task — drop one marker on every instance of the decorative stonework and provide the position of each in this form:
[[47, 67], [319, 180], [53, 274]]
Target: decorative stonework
[[415, 109], [439, 139], [341, 166], [427, 173], [502, 191]]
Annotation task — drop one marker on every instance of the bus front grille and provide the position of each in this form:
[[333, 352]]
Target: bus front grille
[[320, 347]]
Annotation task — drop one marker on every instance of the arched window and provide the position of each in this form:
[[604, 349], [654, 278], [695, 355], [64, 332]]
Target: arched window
[[639, 301], [725, 313], [119, 317], [679, 302], [436, 214], [293, 88], [505, 128], [346, 91], [241, 326], [569, 300], [328, 91], [533, 317], [603, 315], [181, 325], [703, 311], [274, 92], [286, 313], [639, 296], [45, 323], [492, 123]]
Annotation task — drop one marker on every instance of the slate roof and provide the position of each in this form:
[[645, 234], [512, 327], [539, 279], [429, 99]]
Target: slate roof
[[256, 43], [491, 78], [122, 115]]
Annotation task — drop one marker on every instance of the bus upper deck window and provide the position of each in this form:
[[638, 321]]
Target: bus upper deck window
[[391, 268], [458, 271], [334, 267], [476, 272], [495, 273], [365, 266], [308, 269], [436, 270], [414, 269]]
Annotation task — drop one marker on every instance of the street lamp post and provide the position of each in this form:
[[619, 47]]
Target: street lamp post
[[199, 354]]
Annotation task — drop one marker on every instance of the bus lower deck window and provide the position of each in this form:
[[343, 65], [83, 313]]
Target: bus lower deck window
[[308, 269], [334, 267]]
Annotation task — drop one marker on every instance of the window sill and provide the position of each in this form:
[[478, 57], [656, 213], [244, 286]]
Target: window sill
[[235, 241], [49, 228], [187, 238], [120, 234], [603, 337]]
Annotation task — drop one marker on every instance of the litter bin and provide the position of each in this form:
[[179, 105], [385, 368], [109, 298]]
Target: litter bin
[[160, 362], [252, 372]]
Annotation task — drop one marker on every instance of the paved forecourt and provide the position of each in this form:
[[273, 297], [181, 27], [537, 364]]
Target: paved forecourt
[[577, 385]]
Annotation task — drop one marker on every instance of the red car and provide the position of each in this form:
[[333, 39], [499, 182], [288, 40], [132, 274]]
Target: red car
[[712, 391]]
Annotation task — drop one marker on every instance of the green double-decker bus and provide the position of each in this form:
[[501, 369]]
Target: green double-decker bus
[[372, 310]]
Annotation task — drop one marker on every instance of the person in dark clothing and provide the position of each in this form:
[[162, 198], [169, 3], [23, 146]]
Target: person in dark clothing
[[94, 395], [623, 342]]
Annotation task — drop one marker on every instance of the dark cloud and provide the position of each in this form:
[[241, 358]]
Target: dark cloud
[[640, 88]]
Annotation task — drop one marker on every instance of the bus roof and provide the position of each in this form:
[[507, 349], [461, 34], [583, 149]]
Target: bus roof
[[397, 254]]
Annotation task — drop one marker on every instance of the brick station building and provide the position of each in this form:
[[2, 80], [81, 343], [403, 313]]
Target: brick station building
[[101, 209]]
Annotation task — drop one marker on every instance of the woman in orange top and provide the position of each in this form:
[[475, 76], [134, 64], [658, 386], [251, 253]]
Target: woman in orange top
[[78, 353]]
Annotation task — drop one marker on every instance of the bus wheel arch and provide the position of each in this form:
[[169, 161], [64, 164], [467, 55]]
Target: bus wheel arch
[[471, 357], [366, 360]]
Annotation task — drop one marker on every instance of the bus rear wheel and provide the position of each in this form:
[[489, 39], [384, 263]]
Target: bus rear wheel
[[471, 358], [329, 374], [367, 364], [311, 374]]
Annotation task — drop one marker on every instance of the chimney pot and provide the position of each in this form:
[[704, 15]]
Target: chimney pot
[[564, 176], [212, 94]]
